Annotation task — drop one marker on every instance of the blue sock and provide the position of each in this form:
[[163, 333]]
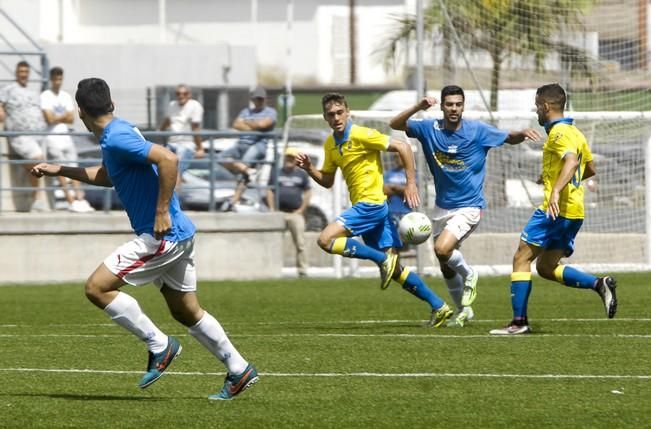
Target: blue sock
[[520, 291], [417, 287], [574, 278], [356, 249]]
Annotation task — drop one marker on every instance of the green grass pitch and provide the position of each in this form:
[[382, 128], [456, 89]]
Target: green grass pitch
[[333, 353]]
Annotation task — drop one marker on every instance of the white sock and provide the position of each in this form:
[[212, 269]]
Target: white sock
[[211, 335], [455, 288], [125, 311], [458, 264]]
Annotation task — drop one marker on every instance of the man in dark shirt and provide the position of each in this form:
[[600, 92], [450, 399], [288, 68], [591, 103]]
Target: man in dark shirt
[[293, 197]]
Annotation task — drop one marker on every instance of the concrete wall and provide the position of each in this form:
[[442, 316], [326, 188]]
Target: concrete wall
[[41, 248], [498, 249]]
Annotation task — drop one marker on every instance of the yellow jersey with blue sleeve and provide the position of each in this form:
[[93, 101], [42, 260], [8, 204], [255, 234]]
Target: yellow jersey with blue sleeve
[[564, 138], [357, 153]]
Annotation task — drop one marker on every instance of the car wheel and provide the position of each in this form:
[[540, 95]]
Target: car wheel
[[315, 220]]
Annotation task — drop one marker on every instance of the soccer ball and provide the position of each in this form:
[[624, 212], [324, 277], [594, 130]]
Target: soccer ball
[[415, 228]]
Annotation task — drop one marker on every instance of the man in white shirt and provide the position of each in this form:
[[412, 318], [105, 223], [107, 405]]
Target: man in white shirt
[[58, 111], [20, 111], [185, 115]]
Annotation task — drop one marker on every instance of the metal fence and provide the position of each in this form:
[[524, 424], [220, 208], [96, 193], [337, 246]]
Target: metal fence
[[210, 161]]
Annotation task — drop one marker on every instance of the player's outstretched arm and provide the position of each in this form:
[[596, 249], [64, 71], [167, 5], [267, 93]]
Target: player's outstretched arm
[[516, 137], [167, 165], [399, 122], [407, 156], [324, 179], [95, 175]]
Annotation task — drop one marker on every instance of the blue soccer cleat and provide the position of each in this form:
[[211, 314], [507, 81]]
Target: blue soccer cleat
[[236, 384], [159, 362]]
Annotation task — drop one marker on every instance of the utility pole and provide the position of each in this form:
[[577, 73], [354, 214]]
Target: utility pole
[[352, 39]]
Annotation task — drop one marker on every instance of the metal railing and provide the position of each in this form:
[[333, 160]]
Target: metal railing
[[210, 160]]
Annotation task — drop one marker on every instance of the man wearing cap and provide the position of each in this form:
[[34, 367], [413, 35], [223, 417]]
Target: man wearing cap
[[294, 193], [241, 158]]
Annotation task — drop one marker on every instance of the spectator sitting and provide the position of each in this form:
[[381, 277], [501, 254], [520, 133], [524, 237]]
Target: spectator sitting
[[20, 109], [58, 110], [293, 196], [184, 115], [241, 158]]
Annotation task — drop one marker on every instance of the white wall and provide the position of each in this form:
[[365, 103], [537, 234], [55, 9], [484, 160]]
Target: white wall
[[259, 23]]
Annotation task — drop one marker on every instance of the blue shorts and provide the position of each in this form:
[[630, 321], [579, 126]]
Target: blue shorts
[[373, 223], [550, 234]]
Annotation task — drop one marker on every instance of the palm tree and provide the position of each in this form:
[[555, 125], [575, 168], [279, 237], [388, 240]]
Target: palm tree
[[501, 28]]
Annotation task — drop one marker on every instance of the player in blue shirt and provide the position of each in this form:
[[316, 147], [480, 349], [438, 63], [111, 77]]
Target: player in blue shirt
[[455, 151], [144, 175]]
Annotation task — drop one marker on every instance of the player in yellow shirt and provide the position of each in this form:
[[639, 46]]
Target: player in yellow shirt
[[549, 234], [356, 151]]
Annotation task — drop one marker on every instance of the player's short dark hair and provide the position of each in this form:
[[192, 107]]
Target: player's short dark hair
[[93, 96], [56, 72], [553, 94], [22, 64], [452, 90], [333, 97]]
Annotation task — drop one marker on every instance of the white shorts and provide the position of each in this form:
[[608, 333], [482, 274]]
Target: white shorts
[[144, 260], [460, 222], [27, 147], [62, 150]]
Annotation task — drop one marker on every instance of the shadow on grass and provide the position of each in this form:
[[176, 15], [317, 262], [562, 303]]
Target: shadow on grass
[[85, 397]]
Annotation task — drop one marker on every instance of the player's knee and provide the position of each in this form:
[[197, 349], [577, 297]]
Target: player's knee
[[442, 253], [324, 242], [92, 290], [545, 271]]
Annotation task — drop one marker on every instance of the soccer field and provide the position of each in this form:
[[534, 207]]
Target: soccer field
[[333, 353]]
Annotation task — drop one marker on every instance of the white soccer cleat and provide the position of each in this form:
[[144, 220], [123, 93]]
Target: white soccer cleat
[[606, 290], [512, 329], [470, 289], [465, 315]]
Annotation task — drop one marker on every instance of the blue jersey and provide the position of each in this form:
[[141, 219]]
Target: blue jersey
[[124, 153], [397, 204], [457, 159]]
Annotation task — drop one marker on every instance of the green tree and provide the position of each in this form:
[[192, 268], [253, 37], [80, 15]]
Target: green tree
[[532, 28]]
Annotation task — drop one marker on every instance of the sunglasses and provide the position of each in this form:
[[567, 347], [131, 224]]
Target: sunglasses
[[182, 93]]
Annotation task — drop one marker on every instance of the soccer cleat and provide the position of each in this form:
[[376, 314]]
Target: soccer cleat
[[461, 318], [159, 362], [236, 384], [513, 329], [439, 317], [386, 269], [606, 290], [469, 289]]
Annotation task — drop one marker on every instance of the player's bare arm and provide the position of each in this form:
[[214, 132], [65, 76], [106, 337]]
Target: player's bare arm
[[589, 171], [516, 137], [95, 175], [304, 162], [167, 165], [407, 157], [570, 164], [399, 122]]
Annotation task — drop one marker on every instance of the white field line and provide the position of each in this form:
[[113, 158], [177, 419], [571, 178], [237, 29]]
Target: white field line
[[345, 374], [431, 336], [340, 322]]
